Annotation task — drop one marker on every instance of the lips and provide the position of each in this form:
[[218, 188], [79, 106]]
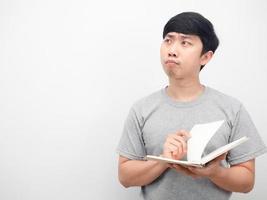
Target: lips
[[171, 62]]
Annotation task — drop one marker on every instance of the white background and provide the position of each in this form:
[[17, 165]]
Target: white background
[[70, 71]]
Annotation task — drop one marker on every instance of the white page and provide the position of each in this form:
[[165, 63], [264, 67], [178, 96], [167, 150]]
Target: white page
[[205, 159], [200, 136], [223, 150], [169, 160]]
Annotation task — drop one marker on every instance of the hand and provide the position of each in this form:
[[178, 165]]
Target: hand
[[212, 169], [184, 170], [175, 146]]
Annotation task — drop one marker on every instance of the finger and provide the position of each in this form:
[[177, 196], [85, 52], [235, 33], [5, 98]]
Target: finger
[[172, 148], [184, 134], [175, 152], [178, 145], [177, 136], [222, 157], [179, 140], [179, 168], [169, 165], [168, 145], [176, 142], [217, 160], [192, 169], [184, 170], [197, 171]]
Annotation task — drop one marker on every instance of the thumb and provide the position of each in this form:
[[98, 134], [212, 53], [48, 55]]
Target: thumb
[[221, 157]]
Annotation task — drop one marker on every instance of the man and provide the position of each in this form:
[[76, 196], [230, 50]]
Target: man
[[159, 123]]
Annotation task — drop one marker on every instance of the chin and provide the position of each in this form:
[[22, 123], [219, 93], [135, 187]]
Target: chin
[[173, 75]]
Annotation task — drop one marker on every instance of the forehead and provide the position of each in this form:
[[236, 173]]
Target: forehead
[[176, 35]]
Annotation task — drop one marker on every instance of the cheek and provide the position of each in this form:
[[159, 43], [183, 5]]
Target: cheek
[[162, 54], [193, 56], [161, 51]]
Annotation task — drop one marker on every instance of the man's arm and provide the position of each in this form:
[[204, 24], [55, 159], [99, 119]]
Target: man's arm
[[237, 178], [138, 172]]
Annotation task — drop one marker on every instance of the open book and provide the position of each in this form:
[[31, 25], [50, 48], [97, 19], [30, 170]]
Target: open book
[[200, 136]]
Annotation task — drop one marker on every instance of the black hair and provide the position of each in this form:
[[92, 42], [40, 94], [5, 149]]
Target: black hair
[[194, 24]]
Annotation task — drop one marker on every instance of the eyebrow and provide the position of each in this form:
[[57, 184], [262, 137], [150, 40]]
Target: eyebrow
[[183, 36]]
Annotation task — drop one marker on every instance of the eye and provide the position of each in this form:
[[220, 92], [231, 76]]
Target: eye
[[185, 43], [167, 40]]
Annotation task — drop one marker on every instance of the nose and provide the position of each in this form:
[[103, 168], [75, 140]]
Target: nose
[[173, 50], [171, 54]]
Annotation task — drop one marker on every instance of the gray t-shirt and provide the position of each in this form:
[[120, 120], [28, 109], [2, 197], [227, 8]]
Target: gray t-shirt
[[152, 118]]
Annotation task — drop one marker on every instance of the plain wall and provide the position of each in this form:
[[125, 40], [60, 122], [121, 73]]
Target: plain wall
[[70, 71]]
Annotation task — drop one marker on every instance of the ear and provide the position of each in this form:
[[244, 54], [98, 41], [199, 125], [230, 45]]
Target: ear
[[206, 57]]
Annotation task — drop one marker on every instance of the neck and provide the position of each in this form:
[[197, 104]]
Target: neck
[[184, 90]]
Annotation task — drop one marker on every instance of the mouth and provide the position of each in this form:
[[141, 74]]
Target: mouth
[[172, 62]]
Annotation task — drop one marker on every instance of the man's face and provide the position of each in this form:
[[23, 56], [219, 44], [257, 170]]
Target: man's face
[[181, 55]]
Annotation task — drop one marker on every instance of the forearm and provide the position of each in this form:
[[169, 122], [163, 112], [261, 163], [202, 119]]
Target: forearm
[[139, 173], [235, 179]]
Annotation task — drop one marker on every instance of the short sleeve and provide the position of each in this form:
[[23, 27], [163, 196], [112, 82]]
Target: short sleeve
[[243, 126], [131, 144]]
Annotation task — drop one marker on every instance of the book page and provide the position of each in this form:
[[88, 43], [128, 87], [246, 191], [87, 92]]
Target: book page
[[200, 136], [223, 150], [205, 159], [172, 161]]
